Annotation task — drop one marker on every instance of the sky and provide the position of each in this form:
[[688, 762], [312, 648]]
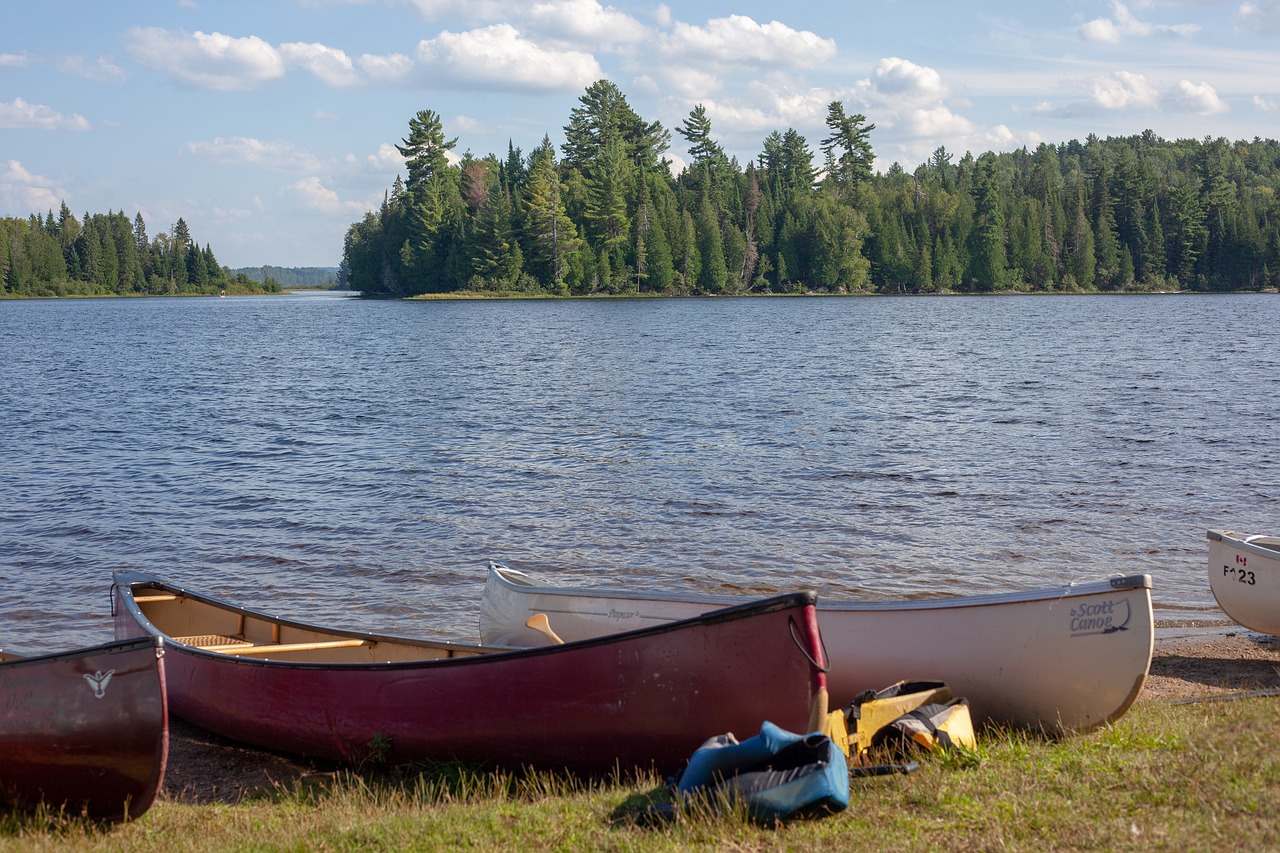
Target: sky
[[270, 125]]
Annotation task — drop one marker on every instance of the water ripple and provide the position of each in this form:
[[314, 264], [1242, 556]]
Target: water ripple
[[289, 452]]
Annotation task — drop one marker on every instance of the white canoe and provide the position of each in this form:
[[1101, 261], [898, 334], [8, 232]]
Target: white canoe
[[1065, 659], [1244, 574]]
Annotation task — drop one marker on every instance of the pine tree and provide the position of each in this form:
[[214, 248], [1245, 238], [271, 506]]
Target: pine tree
[[551, 237], [848, 149]]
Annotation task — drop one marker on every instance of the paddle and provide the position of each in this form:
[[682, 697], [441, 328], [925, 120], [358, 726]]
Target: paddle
[[818, 710], [542, 625]]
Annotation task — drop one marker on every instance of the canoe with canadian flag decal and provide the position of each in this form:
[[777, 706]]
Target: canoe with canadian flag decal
[[1244, 574]]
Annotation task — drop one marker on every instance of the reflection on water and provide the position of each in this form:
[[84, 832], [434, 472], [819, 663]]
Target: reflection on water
[[356, 462]]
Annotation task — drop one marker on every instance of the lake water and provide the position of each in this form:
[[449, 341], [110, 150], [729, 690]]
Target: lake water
[[358, 463]]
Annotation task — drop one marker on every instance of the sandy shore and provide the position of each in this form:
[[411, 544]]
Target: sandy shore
[[1190, 661]]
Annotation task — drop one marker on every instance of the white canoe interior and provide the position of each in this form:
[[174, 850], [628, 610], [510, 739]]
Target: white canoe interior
[[1067, 658], [1244, 574]]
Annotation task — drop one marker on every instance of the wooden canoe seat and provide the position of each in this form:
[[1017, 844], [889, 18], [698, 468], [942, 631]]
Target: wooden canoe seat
[[214, 642], [159, 596], [236, 646]]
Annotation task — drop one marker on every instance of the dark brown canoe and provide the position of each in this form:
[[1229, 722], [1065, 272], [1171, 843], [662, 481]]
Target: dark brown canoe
[[647, 698], [85, 731]]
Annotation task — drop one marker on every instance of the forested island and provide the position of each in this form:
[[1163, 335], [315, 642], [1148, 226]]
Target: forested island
[[605, 215], [306, 278], [109, 255]]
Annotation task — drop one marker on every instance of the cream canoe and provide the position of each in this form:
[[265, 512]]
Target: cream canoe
[[1064, 659], [1244, 574]]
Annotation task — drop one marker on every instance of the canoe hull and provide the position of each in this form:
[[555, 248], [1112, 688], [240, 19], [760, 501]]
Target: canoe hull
[[1064, 659], [643, 699], [1244, 574], [85, 731]]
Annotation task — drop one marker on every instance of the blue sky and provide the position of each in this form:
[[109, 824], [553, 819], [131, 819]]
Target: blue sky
[[269, 124]]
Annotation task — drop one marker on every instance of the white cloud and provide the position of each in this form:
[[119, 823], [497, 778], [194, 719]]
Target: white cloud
[[208, 61], [103, 70], [499, 56], [585, 21], [769, 104], [391, 68], [1124, 90], [325, 115], [20, 115], [1101, 30], [1124, 23], [14, 60], [315, 195], [937, 121], [738, 39], [329, 64], [905, 83], [1199, 98], [23, 193], [1133, 92], [387, 157], [1263, 105], [247, 151], [689, 83]]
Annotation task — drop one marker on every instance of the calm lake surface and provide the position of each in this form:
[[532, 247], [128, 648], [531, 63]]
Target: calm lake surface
[[358, 463]]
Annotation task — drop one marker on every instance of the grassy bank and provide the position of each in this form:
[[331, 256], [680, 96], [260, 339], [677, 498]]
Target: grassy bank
[[1187, 777]]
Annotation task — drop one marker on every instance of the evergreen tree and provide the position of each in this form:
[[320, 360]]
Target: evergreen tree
[[988, 265], [551, 237], [713, 274], [604, 116], [848, 149]]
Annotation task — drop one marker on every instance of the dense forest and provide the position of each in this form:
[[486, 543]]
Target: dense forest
[[320, 278], [105, 255], [606, 215]]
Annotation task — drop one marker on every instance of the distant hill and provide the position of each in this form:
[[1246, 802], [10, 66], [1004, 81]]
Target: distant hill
[[315, 277]]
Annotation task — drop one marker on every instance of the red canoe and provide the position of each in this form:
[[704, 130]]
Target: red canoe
[[86, 731], [640, 699]]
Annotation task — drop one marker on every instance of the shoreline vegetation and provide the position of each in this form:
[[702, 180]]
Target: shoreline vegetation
[[108, 255], [1193, 765], [608, 213]]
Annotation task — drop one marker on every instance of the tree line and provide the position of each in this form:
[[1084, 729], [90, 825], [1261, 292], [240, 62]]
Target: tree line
[[107, 254], [604, 214], [323, 278]]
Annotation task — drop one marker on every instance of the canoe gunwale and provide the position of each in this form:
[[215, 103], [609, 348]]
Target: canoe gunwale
[[125, 582], [1248, 543], [500, 574], [113, 647]]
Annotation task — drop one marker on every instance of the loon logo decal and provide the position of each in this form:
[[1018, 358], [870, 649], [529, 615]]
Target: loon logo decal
[[1105, 617], [99, 681]]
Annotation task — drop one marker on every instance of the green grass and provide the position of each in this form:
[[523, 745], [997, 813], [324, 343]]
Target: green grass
[[1189, 777]]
